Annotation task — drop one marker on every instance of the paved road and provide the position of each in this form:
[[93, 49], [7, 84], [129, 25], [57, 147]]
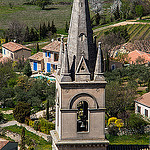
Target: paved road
[[10, 123], [119, 24]]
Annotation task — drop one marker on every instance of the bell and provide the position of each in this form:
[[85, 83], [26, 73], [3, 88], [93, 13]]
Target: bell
[[82, 125]]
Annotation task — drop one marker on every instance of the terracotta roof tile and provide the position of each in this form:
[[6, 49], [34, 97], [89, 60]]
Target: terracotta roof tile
[[135, 54], [14, 46], [3, 143], [38, 56], [53, 46], [144, 99]]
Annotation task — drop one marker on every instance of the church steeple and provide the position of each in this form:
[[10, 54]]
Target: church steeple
[[80, 37]]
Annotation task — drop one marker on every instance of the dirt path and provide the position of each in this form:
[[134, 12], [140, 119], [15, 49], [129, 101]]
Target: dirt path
[[119, 24]]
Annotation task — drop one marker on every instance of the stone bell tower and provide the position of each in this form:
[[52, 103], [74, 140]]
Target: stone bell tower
[[80, 88]]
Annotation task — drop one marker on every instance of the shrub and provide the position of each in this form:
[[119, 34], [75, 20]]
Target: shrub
[[113, 130], [136, 123], [36, 124], [46, 126], [31, 123], [21, 111]]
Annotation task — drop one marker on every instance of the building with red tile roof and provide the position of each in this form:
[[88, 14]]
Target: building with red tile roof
[[50, 55], [8, 145], [37, 62], [47, 60], [140, 45], [138, 57], [142, 105], [15, 51]]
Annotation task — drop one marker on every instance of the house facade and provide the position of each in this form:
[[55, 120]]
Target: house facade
[[50, 56], [142, 105], [37, 62], [15, 51]]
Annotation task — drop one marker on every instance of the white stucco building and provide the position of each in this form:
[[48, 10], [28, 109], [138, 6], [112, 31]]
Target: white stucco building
[[142, 105]]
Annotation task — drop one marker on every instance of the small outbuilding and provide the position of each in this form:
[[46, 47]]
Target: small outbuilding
[[142, 105], [8, 145], [37, 62], [15, 51]]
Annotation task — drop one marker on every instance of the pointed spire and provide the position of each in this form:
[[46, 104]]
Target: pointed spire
[[80, 36], [65, 75], [98, 74], [60, 56]]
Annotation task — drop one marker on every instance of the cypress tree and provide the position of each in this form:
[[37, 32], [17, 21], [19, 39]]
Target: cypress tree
[[66, 27], [97, 18], [22, 147], [107, 63], [117, 13], [27, 69], [47, 110], [44, 30], [6, 39], [32, 34], [37, 47], [149, 85], [53, 28], [48, 27], [27, 35], [40, 32]]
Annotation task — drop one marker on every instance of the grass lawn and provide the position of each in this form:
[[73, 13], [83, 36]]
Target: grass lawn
[[9, 117], [41, 143], [129, 139], [32, 15]]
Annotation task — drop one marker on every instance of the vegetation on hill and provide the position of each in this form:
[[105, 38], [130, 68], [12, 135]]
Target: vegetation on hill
[[16, 88], [121, 91], [30, 138], [135, 31]]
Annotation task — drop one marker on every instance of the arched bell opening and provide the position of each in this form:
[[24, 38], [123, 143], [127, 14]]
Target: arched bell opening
[[82, 116]]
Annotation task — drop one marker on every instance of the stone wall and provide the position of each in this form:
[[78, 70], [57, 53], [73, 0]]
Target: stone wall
[[43, 135], [14, 136]]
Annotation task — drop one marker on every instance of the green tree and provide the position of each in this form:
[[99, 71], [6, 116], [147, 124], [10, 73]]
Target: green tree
[[136, 123], [48, 26], [97, 18], [47, 110], [22, 147], [119, 97], [40, 32], [117, 13], [148, 85], [21, 111], [43, 3], [27, 69], [107, 63], [34, 35], [37, 47], [139, 11], [44, 30], [53, 28], [66, 27], [27, 35]]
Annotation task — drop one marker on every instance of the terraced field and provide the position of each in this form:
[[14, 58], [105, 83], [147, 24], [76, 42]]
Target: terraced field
[[136, 32]]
